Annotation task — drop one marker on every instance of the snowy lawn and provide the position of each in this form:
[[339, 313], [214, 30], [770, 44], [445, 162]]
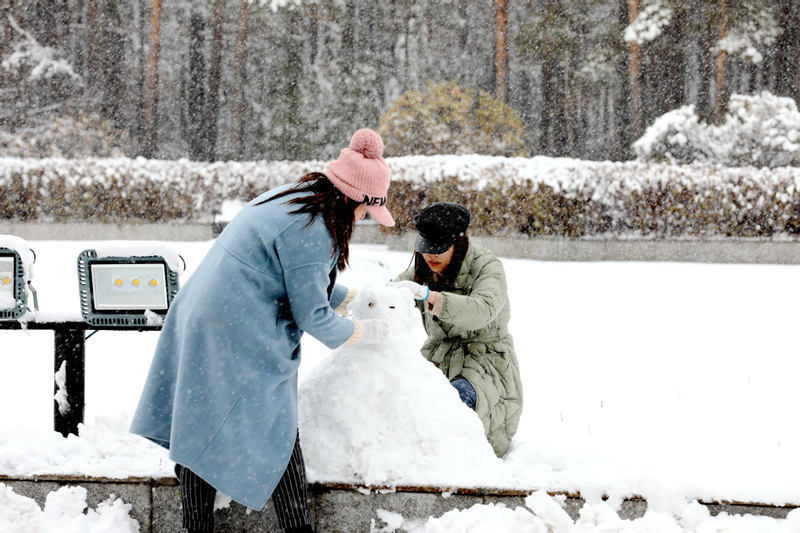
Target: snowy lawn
[[672, 381]]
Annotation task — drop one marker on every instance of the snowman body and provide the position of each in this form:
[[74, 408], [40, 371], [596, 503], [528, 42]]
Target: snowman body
[[383, 415]]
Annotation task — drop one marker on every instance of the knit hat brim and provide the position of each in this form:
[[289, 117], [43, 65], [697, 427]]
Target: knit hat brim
[[381, 214]]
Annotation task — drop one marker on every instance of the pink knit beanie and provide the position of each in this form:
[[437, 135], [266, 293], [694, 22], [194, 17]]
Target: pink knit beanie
[[363, 175]]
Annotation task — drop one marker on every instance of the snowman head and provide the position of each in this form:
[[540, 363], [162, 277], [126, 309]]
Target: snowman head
[[392, 304]]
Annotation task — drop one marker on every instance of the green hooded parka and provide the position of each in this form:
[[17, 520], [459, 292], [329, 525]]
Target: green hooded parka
[[470, 339]]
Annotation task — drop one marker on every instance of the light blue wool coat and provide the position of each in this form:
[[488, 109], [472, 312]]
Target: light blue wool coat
[[221, 393]]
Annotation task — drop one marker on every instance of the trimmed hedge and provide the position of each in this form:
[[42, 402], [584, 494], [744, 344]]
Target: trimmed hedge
[[537, 196]]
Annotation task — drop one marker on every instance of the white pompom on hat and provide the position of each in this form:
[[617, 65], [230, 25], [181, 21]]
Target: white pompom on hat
[[362, 174]]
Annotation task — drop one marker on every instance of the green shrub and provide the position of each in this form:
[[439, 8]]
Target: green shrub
[[445, 119]]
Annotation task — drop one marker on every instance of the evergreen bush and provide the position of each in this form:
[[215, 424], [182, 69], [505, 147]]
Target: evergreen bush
[[760, 130], [446, 119]]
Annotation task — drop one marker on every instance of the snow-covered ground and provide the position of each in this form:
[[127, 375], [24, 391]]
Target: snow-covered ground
[[673, 381]]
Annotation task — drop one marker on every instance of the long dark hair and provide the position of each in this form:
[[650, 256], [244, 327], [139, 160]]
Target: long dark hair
[[325, 200], [425, 276]]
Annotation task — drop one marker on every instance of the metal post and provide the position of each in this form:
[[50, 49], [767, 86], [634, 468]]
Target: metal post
[[70, 347]]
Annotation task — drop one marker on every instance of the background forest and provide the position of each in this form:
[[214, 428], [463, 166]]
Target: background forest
[[237, 80]]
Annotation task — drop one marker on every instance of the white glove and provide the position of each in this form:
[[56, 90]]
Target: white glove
[[420, 292], [373, 330]]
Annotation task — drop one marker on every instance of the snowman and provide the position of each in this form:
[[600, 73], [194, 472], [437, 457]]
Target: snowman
[[382, 415]]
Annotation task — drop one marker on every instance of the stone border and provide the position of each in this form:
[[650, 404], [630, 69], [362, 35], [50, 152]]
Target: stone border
[[681, 251], [335, 507], [733, 250], [87, 231]]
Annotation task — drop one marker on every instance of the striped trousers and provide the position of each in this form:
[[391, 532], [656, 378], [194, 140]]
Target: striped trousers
[[290, 497]]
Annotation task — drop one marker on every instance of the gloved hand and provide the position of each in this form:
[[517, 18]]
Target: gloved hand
[[373, 330], [420, 292]]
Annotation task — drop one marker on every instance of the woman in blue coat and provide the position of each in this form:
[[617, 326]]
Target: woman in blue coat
[[221, 393]]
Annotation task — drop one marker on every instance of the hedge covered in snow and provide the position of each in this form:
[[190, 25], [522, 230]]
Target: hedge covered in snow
[[507, 196]]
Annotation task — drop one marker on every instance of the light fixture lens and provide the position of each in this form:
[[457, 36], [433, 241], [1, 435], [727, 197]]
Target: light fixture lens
[[117, 286], [7, 300]]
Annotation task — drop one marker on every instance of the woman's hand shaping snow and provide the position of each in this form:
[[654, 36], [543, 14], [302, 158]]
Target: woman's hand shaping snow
[[420, 292]]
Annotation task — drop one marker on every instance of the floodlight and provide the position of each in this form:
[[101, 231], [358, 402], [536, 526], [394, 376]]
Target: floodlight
[[13, 296], [127, 291]]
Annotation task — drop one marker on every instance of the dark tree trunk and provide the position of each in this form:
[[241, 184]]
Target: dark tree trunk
[[634, 76], [703, 106], [141, 76], [92, 57], [560, 137], [214, 82], [570, 111], [111, 61], [293, 136], [43, 20], [313, 31], [349, 36], [501, 49], [674, 62], [545, 136], [196, 91], [721, 94], [6, 32], [621, 138], [239, 102], [151, 82], [787, 51], [553, 125]]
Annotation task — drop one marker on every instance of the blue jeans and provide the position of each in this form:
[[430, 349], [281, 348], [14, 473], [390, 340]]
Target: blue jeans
[[466, 391]]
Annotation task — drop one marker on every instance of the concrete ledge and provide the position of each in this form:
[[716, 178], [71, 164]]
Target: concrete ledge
[[86, 231], [683, 251], [730, 250], [336, 508]]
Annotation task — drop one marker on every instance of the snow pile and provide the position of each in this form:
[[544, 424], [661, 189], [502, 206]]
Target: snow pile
[[760, 131], [104, 449], [65, 511], [377, 415], [545, 514]]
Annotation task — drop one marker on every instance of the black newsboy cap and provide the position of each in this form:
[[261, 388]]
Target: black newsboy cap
[[439, 225]]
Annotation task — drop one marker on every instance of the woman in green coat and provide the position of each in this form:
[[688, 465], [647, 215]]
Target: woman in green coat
[[461, 291]]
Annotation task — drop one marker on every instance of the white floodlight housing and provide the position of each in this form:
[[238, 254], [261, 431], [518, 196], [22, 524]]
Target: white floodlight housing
[[125, 291], [16, 270], [13, 296]]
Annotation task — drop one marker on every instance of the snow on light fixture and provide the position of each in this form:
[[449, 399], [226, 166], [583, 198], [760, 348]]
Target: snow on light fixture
[[16, 260], [126, 285]]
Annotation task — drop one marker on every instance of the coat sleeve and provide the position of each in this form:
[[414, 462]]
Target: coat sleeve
[[305, 260], [338, 295], [485, 300]]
